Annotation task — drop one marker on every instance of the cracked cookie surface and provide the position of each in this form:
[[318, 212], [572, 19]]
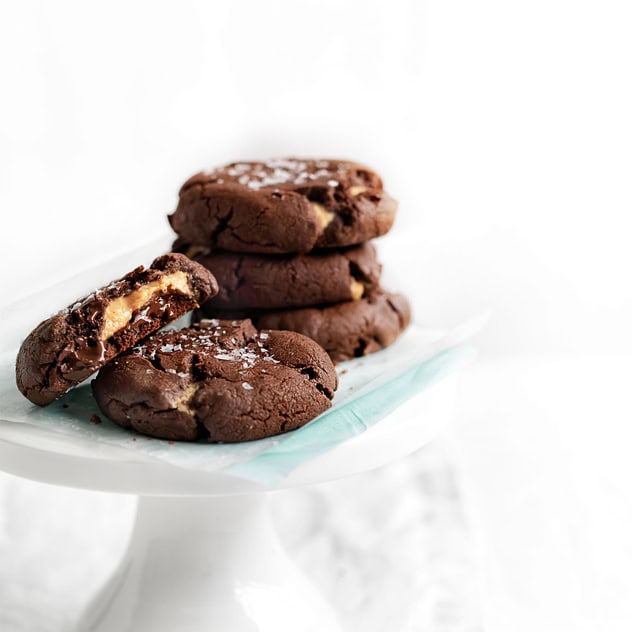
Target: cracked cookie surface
[[218, 380], [251, 281], [284, 205], [347, 330], [65, 349]]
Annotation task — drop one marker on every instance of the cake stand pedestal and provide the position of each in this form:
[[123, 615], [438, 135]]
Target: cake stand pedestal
[[206, 564], [203, 554]]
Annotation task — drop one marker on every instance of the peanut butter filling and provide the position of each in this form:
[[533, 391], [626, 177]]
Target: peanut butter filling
[[323, 216], [356, 190], [193, 251], [119, 312], [182, 403], [357, 289]]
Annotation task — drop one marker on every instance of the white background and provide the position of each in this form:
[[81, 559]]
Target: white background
[[504, 129]]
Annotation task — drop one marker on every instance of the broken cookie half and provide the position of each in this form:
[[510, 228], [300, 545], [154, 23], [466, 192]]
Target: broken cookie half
[[65, 349], [219, 380]]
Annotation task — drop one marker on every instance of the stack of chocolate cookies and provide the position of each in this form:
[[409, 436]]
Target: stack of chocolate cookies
[[288, 241], [284, 244]]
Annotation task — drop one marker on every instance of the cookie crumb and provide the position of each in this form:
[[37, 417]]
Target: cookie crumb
[[64, 406], [95, 419], [171, 442]]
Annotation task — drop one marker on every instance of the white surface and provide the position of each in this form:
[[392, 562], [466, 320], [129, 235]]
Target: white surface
[[506, 137], [390, 549], [197, 564], [546, 473]]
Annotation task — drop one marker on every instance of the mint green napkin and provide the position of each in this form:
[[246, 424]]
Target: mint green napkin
[[350, 419]]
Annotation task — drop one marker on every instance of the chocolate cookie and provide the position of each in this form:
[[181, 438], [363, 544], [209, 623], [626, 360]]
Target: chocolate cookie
[[68, 347], [217, 381], [249, 281], [283, 206], [347, 330]]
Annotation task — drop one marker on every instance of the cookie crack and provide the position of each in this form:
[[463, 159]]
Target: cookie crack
[[234, 231], [312, 375], [360, 348], [202, 432], [265, 244], [238, 237], [152, 409], [240, 279], [222, 224], [400, 316], [358, 273]]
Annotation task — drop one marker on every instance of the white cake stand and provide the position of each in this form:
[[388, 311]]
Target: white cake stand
[[203, 554]]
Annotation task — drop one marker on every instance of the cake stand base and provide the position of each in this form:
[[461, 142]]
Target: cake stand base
[[211, 563]]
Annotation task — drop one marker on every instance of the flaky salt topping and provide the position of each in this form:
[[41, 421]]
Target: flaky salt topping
[[280, 171], [208, 340]]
